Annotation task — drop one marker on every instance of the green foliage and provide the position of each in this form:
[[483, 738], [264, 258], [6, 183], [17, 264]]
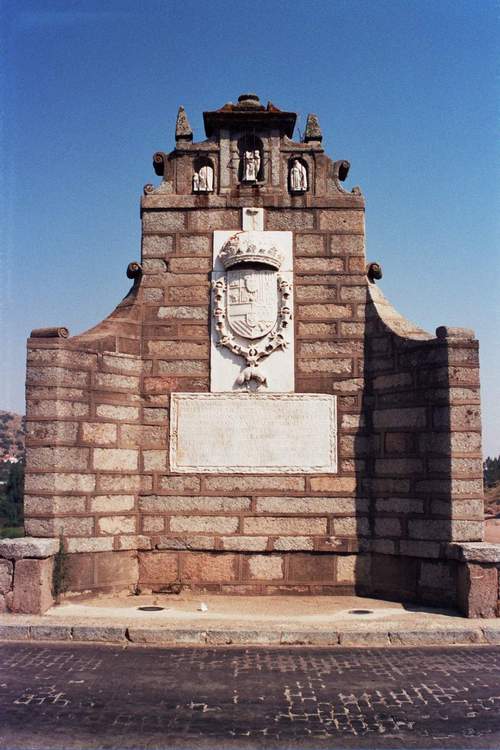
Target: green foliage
[[11, 532], [12, 495], [491, 470], [59, 575]]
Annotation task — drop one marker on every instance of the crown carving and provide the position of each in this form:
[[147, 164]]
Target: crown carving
[[250, 247]]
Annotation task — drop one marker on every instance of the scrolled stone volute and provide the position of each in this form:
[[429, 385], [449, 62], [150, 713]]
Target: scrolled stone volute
[[341, 169], [374, 272], [159, 163], [134, 271], [59, 332]]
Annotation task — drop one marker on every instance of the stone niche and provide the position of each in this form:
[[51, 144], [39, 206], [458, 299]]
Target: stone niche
[[255, 417]]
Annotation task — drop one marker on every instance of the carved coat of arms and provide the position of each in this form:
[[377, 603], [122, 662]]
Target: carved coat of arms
[[251, 302]]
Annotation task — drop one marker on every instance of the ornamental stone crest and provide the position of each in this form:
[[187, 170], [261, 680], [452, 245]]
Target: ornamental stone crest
[[251, 303]]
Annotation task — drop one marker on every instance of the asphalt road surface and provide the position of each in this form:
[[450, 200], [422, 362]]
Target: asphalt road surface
[[97, 696]]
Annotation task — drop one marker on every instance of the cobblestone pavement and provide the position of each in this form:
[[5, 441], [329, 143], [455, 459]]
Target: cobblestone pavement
[[98, 696]]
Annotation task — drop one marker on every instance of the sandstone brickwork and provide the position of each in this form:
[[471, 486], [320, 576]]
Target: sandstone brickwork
[[409, 436]]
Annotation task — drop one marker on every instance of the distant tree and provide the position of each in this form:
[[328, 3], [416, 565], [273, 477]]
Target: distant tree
[[491, 471], [11, 500]]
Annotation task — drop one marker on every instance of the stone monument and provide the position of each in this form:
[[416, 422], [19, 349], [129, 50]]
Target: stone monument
[[254, 417]]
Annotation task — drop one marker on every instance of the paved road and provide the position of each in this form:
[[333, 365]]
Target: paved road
[[98, 696]]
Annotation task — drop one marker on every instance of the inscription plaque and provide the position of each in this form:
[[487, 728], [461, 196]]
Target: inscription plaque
[[253, 433]]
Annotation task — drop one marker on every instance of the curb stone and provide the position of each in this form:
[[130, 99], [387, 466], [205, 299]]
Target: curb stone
[[228, 637], [97, 633], [436, 637], [50, 632], [486, 635]]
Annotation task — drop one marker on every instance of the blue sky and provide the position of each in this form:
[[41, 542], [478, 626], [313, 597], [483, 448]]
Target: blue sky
[[407, 91]]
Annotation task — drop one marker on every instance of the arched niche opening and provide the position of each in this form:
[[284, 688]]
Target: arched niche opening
[[298, 175], [203, 175], [251, 159]]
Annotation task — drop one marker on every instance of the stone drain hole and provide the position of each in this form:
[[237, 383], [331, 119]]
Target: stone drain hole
[[150, 608], [361, 611]]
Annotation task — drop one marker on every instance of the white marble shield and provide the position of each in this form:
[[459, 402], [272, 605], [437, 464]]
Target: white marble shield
[[252, 302]]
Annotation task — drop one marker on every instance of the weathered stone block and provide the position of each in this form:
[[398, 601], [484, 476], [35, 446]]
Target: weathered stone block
[[478, 590], [154, 415], [115, 459], [35, 505], [278, 526], [119, 413], [351, 526], [52, 432], [307, 505], [116, 524], [245, 543], [353, 569], [253, 484], [348, 244], [99, 433], [117, 569], [309, 245], [124, 483], [216, 567], [111, 503], [51, 527], [6, 572], [154, 460], [180, 484], [183, 313], [312, 568], [324, 312], [333, 484], [387, 527], [293, 543], [33, 586], [118, 382], [176, 503], [198, 245], [163, 221], [153, 524], [318, 266], [187, 542], [157, 245], [72, 459], [264, 567], [89, 544], [126, 363], [57, 408], [216, 524], [437, 575], [214, 219], [334, 366], [288, 220], [411, 418], [457, 417], [449, 530], [17, 549]]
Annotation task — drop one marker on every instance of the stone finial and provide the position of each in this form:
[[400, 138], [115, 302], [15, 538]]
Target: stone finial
[[183, 130], [313, 129], [134, 271]]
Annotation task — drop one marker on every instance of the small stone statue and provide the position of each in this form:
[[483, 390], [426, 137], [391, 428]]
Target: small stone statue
[[203, 179], [251, 165], [298, 177]]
